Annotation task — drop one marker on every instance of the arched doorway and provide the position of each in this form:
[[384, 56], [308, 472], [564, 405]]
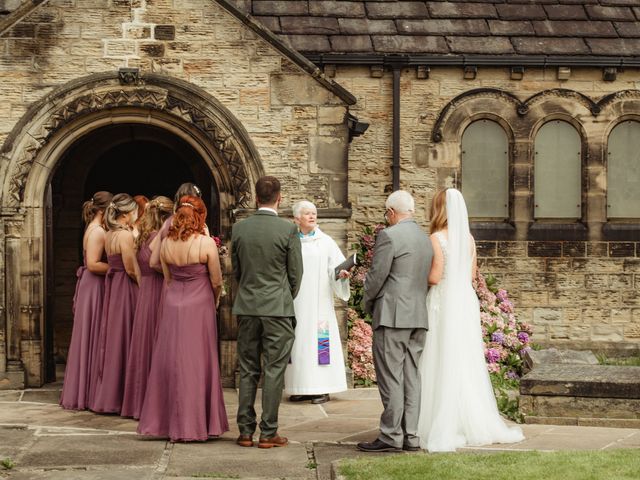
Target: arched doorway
[[130, 158], [59, 152]]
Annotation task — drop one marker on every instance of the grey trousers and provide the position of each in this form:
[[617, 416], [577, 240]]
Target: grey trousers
[[396, 354]]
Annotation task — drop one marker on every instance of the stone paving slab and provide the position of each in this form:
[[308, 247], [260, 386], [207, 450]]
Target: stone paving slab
[[223, 457]]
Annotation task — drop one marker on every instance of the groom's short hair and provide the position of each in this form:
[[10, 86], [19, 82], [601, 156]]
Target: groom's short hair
[[267, 190], [401, 201]]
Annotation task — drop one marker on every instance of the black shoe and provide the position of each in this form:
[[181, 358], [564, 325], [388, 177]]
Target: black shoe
[[376, 446], [324, 398], [298, 398], [409, 448]]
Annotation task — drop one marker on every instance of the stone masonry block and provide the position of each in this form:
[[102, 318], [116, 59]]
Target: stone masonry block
[[547, 315], [297, 90], [544, 249], [165, 32], [573, 249], [331, 115], [607, 333], [328, 154]]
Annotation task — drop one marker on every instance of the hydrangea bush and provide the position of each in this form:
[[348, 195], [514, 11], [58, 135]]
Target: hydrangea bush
[[506, 338]]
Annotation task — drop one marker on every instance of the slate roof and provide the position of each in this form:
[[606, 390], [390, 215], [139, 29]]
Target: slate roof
[[608, 28]]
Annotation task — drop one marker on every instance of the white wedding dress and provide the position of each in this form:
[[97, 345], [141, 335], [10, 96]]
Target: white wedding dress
[[458, 406]]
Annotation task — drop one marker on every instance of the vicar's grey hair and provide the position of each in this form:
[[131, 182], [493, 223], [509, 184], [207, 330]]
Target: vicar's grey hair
[[401, 201], [301, 206]]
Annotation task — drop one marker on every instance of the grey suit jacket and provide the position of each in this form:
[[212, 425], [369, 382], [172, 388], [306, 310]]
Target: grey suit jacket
[[395, 288], [267, 263]]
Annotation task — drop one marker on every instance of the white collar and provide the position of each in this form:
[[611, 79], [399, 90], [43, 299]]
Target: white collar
[[268, 210]]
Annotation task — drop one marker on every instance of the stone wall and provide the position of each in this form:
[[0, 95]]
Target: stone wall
[[577, 290], [296, 124]]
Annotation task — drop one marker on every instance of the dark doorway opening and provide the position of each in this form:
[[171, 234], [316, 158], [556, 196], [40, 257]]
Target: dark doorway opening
[[132, 158]]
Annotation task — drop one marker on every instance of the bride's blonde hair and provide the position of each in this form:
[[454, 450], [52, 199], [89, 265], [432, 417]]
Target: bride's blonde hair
[[438, 211]]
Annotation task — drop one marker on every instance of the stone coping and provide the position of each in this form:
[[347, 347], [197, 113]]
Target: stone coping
[[601, 381]]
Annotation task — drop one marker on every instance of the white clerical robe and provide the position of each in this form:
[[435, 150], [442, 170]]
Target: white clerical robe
[[312, 305]]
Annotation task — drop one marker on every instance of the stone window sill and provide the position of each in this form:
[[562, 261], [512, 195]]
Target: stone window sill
[[617, 231], [492, 230], [541, 230]]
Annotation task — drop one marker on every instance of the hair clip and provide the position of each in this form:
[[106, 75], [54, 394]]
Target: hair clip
[[197, 190], [187, 204]]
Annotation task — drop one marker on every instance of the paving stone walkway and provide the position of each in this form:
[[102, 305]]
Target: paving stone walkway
[[47, 442]]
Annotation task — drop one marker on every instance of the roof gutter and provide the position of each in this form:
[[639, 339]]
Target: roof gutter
[[409, 60], [24, 9]]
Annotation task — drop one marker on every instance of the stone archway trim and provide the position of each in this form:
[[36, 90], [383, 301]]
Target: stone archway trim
[[524, 107], [155, 92]]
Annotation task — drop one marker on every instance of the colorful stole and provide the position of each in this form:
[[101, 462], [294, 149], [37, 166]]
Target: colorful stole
[[324, 357]]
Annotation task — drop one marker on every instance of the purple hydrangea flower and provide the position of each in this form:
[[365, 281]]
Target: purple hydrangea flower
[[511, 375], [493, 355], [497, 337], [523, 337]]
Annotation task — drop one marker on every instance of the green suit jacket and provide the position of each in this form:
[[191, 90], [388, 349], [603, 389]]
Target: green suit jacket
[[267, 263]]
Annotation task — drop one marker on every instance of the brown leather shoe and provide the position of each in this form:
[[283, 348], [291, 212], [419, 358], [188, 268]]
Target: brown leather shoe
[[245, 441], [275, 441]]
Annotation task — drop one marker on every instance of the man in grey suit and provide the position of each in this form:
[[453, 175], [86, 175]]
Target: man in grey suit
[[267, 263], [395, 293]]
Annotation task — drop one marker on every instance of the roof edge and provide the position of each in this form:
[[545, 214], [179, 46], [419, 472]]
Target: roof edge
[[409, 60], [288, 51], [18, 14]]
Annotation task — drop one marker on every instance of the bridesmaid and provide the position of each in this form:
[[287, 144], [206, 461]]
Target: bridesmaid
[[146, 316], [119, 304], [87, 305], [187, 188], [184, 394]]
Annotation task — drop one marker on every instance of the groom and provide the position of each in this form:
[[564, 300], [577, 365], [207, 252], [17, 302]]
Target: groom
[[267, 263], [395, 293]]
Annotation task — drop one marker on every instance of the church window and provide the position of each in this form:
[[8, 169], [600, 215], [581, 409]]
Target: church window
[[623, 171]]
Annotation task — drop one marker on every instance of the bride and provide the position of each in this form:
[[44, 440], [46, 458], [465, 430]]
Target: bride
[[458, 406]]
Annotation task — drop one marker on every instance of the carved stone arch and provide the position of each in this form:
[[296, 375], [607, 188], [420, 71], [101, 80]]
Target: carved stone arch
[[559, 96], [538, 121], [177, 102], [488, 101]]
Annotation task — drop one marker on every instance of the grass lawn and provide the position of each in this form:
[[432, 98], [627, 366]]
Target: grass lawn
[[582, 465]]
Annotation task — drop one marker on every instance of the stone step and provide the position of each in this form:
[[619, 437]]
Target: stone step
[[596, 381]]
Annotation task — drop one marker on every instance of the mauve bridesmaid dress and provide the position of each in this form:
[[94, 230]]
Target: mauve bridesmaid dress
[[115, 336], [87, 315], [184, 395], [144, 333]]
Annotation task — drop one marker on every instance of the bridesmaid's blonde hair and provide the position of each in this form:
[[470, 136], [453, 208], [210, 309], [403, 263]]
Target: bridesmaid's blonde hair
[[438, 211]]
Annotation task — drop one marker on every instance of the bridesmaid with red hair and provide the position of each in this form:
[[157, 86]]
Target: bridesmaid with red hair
[[146, 317], [184, 395]]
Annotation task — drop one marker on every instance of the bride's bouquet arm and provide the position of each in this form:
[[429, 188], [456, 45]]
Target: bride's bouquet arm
[[437, 263]]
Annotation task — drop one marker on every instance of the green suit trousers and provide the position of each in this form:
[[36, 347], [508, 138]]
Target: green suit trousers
[[270, 338]]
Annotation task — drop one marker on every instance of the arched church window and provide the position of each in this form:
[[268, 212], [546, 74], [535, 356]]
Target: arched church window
[[485, 170], [623, 171], [557, 167]]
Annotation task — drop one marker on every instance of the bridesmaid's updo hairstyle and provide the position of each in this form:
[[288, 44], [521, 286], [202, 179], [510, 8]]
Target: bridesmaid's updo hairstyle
[[121, 204], [98, 203], [438, 211], [155, 214], [188, 219], [186, 189]]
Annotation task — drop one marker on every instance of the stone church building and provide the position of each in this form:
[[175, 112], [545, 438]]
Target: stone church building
[[531, 108]]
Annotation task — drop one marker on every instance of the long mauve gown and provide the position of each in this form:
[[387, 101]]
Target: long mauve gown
[[144, 333], [87, 314], [115, 336], [184, 394]]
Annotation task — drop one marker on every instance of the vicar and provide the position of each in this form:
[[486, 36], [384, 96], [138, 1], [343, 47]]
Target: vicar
[[317, 362]]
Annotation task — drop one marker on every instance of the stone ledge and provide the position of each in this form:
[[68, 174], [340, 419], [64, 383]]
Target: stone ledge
[[583, 422], [597, 381]]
